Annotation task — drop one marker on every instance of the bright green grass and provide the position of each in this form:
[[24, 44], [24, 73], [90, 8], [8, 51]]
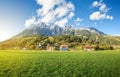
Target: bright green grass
[[59, 64]]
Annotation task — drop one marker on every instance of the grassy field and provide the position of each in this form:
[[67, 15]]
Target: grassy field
[[59, 64]]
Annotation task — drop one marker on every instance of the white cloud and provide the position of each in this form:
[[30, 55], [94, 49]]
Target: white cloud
[[54, 11], [71, 15], [61, 22], [79, 19], [64, 9], [48, 18], [102, 11], [47, 5], [109, 17], [103, 8], [30, 21], [100, 5], [77, 24], [95, 4], [99, 16], [61, 11]]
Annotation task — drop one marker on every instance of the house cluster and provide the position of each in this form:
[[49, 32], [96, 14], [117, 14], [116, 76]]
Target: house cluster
[[62, 47], [65, 47]]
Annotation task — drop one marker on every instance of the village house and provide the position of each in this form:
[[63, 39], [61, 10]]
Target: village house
[[51, 48], [88, 48], [25, 48], [64, 47]]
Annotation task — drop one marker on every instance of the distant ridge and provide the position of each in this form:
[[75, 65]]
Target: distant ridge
[[46, 30]]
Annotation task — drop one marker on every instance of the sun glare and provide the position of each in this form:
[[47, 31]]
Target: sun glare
[[4, 36]]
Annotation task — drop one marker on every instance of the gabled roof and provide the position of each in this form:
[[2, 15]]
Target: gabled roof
[[64, 46]]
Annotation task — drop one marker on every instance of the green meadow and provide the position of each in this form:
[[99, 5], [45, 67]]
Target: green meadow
[[26, 63]]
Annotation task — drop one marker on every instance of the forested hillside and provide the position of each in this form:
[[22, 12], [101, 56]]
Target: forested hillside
[[74, 42]]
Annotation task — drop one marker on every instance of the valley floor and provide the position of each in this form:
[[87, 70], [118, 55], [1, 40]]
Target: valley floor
[[23, 63]]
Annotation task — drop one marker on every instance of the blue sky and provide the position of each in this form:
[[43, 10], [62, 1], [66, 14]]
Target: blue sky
[[17, 15]]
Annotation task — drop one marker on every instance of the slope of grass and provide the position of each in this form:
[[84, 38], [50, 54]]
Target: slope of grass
[[59, 64]]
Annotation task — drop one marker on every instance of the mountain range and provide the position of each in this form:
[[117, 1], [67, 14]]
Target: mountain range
[[46, 30]]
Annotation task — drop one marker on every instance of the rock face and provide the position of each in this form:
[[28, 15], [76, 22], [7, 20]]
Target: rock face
[[42, 30], [46, 30]]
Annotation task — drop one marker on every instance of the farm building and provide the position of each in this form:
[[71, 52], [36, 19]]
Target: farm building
[[64, 47], [51, 48], [25, 48], [89, 48]]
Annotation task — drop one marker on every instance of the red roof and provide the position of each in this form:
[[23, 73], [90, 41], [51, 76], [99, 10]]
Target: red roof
[[63, 46]]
